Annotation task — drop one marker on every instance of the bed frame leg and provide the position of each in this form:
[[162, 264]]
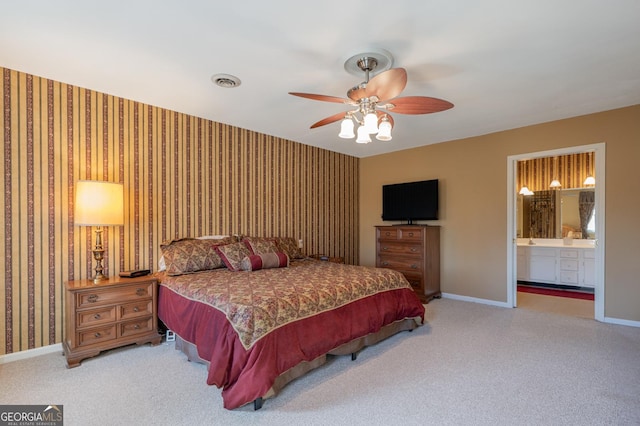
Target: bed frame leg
[[257, 404], [354, 355]]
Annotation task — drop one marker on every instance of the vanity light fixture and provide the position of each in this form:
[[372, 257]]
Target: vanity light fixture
[[555, 183], [525, 191]]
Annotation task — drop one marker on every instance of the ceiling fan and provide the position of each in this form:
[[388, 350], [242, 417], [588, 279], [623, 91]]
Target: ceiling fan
[[373, 99]]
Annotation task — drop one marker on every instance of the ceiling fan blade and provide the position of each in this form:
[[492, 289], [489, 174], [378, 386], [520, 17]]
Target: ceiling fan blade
[[387, 84], [323, 98], [417, 105], [328, 120]]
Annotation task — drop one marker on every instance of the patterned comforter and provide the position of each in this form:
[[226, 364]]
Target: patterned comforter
[[252, 327], [258, 302]]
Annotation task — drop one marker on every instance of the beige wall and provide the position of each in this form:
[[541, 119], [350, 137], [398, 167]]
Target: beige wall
[[473, 202]]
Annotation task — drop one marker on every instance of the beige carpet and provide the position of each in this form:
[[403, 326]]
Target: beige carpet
[[557, 305], [471, 365]]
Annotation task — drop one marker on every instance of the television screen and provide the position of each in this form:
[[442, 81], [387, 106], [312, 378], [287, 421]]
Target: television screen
[[410, 201]]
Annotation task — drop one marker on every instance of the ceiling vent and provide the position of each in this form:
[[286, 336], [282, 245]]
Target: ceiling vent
[[227, 81]]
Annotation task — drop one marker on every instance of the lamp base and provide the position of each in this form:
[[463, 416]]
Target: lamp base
[[98, 255]]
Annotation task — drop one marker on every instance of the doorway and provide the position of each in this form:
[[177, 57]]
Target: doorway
[[599, 210]]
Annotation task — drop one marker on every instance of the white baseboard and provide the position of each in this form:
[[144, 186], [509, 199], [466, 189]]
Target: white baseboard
[[622, 322], [30, 353], [476, 300]]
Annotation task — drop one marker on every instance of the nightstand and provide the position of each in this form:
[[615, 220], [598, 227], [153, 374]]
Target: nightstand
[[113, 313], [327, 258]]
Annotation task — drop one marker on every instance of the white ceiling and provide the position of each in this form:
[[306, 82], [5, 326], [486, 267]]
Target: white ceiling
[[502, 63]]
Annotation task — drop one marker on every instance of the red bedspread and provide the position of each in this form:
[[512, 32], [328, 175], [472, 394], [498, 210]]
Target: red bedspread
[[253, 326]]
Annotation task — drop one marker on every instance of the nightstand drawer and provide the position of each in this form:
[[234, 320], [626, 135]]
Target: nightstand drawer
[[114, 295], [96, 317], [96, 335], [135, 310], [136, 327]]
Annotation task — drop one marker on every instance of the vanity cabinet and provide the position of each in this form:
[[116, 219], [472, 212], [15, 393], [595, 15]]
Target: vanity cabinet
[[557, 265]]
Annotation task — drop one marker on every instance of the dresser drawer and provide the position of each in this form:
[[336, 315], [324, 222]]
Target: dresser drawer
[[113, 295], [136, 309], [411, 234], [95, 317], [130, 328], [404, 265], [388, 234], [398, 248], [96, 335]]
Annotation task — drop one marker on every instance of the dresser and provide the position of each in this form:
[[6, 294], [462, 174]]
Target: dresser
[[413, 250], [113, 313]]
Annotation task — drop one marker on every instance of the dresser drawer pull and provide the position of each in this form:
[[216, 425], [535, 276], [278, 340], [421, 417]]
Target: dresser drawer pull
[[136, 309], [137, 326], [411, 234], [385, 263], [385, 248], [97, 335], [413, 249], [92, 298], [387, 233], [97, 316], [414, 266], [141, 292]]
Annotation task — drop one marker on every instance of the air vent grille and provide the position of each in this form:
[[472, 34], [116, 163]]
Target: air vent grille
[[225, 80]]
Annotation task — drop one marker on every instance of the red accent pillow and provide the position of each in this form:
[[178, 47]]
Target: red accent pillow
[[255, 262]]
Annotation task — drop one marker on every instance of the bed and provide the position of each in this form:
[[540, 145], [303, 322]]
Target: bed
[[268, 315]]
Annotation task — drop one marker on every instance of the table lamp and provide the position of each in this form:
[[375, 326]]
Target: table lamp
[[99, 204]]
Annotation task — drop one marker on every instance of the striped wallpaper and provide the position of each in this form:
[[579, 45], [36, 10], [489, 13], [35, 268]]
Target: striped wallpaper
[[571, 170], [183, 176]]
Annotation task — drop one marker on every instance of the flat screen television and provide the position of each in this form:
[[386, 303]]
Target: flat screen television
[[410, 201]]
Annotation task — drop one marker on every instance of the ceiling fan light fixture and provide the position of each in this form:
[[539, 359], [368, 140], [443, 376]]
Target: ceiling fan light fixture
[[346, 129], [363, 135], [384, 130], [371, 123]]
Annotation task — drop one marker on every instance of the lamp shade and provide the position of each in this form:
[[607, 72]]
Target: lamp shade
[[99, 203], [346, 129]]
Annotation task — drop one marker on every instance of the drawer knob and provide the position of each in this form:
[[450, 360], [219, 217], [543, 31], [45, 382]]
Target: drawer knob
[[414, 266], [137, 326], [141, 292], [385, 248], [97, 316], [92, 298], [413, 249], [387, 233], [97, 335], [136, 309], [411, 234], [385, 263]]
